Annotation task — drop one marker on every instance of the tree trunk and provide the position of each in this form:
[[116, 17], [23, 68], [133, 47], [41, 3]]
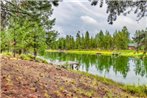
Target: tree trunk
[[35, 50], [35, 54], [8, 49], [1, 50], [14, 50], [20, 51]]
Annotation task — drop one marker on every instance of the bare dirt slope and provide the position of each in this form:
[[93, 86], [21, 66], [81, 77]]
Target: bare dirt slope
[[28, 79]]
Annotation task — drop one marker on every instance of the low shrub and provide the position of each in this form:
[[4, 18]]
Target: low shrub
[[25, 57]]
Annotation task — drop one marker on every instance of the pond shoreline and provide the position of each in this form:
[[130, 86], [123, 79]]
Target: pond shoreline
[[127, 53], [74, 77]]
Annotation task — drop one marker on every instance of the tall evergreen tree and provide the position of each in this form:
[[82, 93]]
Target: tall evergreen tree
[[87, 40], [141, 40], [100, 40], [78, 40]]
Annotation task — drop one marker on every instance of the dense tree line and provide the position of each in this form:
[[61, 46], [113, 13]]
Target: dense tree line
[[102, 40]]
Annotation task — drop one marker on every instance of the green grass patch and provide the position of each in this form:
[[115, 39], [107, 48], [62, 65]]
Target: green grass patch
[[7, 53], [28, 57], [138, 90], [128, 53]]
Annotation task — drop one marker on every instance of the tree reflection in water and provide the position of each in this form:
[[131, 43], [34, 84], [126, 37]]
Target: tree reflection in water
[[119, 64]]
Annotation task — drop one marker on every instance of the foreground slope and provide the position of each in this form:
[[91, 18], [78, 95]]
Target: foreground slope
[[28, 79]]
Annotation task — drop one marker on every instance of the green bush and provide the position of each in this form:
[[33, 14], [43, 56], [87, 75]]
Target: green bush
[[41, 60], [25, 57], [7, 53]]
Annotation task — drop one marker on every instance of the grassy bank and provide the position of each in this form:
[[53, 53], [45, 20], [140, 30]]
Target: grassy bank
[[129, 53], [28, 57], [138, 90]]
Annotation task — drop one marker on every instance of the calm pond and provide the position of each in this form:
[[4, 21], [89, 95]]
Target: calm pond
[[125, 70]]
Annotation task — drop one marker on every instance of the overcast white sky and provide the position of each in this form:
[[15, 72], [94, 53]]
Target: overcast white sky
[[78, 15]]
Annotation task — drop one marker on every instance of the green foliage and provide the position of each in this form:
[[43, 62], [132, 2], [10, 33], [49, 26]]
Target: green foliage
[[87, 40], [78, 41], [24, 38], [5, 41], [25, 57], [50, 38], [141, 39], [29, 27], [9, 54], [117, 7], [41, 60], [102, 40], [139, 90], [121, 39], [38, 11], [31, 57]]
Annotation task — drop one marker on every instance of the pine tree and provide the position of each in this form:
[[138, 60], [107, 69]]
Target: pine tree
[[100, 40], [87, 40], [141, 40], [78, 40]]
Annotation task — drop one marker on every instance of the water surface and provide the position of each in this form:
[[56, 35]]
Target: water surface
[[125, 70]]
